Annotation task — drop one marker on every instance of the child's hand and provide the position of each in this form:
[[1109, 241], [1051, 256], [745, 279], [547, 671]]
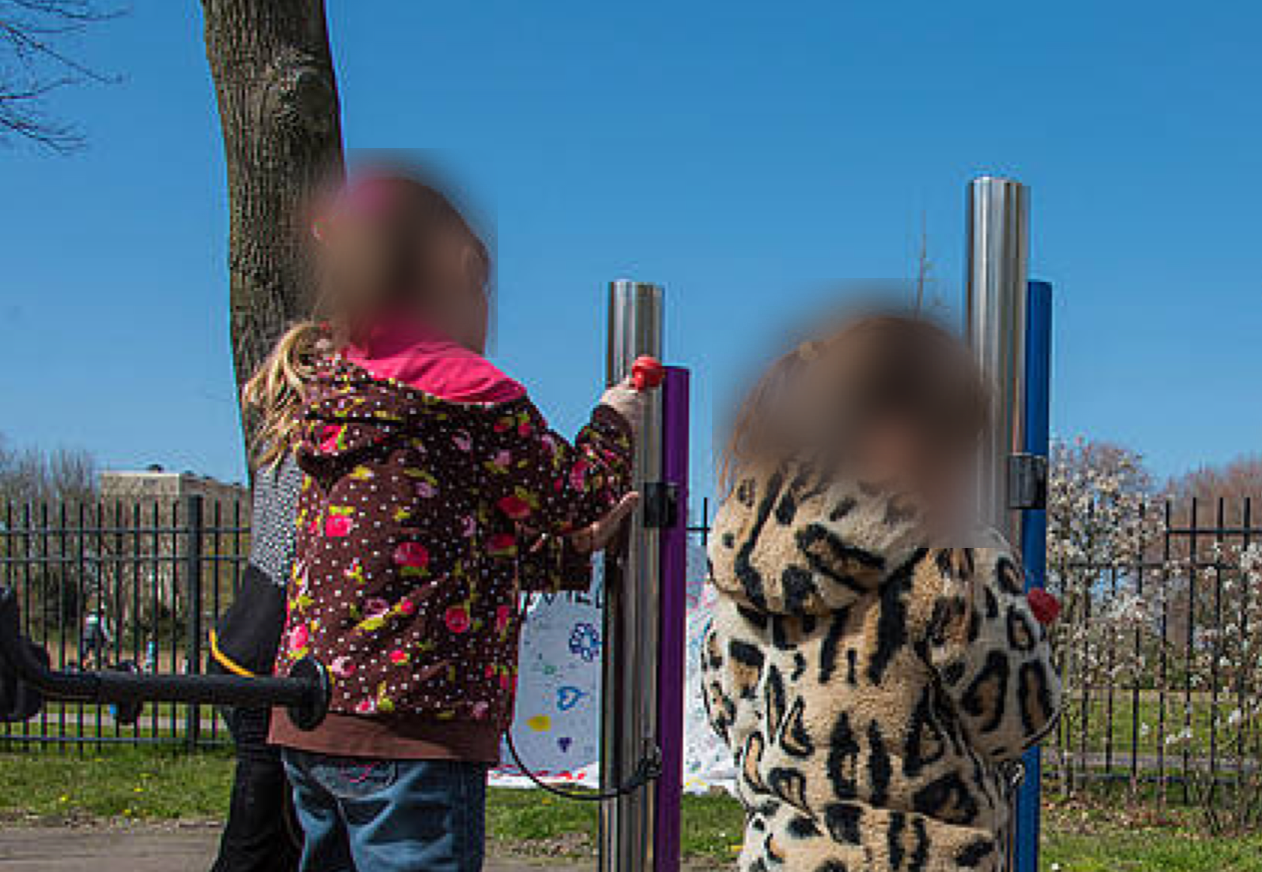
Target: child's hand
[[597, 536], [628, 402]]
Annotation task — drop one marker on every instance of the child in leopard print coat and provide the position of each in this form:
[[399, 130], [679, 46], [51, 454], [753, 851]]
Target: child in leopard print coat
[[873, 662]]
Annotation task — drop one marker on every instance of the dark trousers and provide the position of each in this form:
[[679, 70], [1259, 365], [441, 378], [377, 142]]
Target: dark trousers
[[257, 837]]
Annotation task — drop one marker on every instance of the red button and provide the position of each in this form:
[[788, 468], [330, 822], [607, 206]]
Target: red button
[[647, 372]]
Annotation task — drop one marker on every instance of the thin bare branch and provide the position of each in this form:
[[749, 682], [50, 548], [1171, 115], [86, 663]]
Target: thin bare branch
[[33, 64]]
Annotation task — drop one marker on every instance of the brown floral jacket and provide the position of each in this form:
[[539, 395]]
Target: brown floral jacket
[[419, 523]]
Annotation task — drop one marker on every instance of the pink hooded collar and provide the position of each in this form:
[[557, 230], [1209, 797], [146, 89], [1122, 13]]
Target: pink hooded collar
[[423, 358]]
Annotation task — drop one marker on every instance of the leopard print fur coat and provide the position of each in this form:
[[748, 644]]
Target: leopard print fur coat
[[873, 689]]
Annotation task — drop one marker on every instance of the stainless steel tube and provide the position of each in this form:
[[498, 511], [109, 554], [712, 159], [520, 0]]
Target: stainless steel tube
[[631, 594], [998, 254]]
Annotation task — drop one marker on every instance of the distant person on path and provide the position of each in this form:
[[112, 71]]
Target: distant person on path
[[94, 645]]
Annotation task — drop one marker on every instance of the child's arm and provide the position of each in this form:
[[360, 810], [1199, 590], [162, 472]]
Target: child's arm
[[549, 487], [564, 563], [991, 655]]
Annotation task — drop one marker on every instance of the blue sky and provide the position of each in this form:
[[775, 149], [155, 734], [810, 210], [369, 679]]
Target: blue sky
[[749, 156]]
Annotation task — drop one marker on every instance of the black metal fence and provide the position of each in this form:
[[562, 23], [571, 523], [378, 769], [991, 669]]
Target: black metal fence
[[1162, 656], [1160, 652], [124, 585]]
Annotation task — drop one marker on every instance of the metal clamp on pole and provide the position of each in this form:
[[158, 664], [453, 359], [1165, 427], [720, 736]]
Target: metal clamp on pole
[[660, 501], [1027, 481]]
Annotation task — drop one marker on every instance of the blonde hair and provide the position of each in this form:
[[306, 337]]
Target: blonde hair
[[273, 395]]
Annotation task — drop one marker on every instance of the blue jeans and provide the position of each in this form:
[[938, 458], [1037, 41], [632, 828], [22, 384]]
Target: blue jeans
[[388, 815]]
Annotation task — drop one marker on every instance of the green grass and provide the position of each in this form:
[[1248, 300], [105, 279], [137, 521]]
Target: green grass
[[536, 824], [118, 783], [1106, 836], [150, 785], [1146, 852]]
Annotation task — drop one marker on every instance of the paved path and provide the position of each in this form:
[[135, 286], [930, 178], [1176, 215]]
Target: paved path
[[136, 849]]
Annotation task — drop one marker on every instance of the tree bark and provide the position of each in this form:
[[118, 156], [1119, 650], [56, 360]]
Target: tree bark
[[278, 106]]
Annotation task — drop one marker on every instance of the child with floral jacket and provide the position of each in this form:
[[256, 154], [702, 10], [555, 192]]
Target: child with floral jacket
[[434, 494], [418, 524]]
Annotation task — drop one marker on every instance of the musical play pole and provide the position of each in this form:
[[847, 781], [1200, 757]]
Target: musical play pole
[[629, 691], [669, 510], [1038, 367], [1009, 330], [998, 220]]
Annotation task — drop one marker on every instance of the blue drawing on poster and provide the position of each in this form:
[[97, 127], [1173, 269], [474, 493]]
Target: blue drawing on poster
[[585, 641], [568, 697]]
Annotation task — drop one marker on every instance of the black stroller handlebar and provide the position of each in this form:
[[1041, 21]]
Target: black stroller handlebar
[[304, 693]]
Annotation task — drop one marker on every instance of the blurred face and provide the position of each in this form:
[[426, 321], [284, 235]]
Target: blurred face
[[350, 258], [367, 265], [458, 305], [474, 322], [935, 475]]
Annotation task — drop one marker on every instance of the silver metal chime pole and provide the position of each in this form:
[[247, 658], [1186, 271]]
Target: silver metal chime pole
[[998, 253], [631, 593]]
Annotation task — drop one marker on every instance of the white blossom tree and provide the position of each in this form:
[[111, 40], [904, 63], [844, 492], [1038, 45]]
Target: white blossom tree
[[1225, 669], [1160, 632], [1099, 525]]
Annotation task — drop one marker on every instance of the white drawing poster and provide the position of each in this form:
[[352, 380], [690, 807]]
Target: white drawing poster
[[557, 725]]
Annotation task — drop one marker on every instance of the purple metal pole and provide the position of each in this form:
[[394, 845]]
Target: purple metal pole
[[673, 628]]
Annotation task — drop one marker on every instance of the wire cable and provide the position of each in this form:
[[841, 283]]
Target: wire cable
[[648, 769]]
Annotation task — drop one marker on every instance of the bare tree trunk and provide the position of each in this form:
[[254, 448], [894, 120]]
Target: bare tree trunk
[[278, 106]]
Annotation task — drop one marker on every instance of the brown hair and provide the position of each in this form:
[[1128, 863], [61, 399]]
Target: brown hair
[[398, 223], [822, 395]]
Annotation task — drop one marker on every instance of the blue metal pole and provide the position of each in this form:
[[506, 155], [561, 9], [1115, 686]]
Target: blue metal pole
[[1037, 413]]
